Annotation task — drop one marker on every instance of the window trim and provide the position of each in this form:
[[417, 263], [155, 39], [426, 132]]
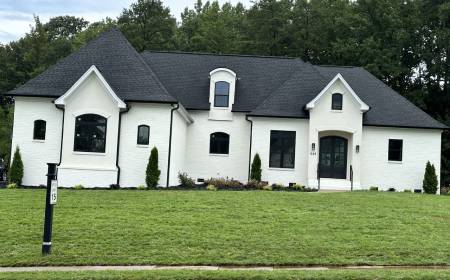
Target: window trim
[[283, 151], [228, 144], [227, 95], [396, 150], [148, 135], [35, 138], [103, 151], [339, 108]]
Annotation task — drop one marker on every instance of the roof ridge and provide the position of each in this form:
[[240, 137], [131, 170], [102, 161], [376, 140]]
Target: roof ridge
[[337, 66], [222, 54]]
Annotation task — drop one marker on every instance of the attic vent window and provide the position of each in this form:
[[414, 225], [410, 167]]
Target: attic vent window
[[221, 94], [336, 101]]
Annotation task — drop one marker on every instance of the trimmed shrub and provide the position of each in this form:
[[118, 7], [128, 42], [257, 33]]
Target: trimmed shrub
[[298, 188], [374, 189], [11, 186], [141, 187], [430, 181], [391, 190], [255, 171], [407, 190], [152, 172], [267, 188], [279, 187], [211, 188], [78, 187], [186, 181], [15, 174]]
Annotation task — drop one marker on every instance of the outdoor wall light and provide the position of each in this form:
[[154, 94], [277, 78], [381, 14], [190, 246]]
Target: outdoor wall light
[[357, 148], [313, 147]]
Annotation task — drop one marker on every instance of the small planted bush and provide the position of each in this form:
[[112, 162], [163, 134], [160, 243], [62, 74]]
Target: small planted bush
[[141, 187], [15, 174], [186, 181], [152, 172], [373, 189], [255, 171], [78, 187], [407, 190], [114, 186], [225, 184], [430, 181], [255, 185], [267, 188], [12, 186], [211, 188], [299, 188], [391, 190]]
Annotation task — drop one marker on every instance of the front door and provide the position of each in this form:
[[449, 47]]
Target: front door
[[333, 157]]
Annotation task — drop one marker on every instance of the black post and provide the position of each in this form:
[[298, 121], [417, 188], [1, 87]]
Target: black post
[[47, 243]]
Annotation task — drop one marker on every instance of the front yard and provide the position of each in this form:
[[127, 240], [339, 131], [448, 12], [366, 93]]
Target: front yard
[[225, 227]]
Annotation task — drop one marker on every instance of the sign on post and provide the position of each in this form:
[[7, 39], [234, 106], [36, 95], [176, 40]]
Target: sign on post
[[54, 192]]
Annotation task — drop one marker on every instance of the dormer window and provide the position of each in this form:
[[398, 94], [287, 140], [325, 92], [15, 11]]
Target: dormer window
[[336, 101], [221, 94]]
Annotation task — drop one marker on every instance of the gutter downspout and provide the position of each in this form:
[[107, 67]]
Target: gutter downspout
[[62, 133], [170, 142], [118, 143], [250, 148]]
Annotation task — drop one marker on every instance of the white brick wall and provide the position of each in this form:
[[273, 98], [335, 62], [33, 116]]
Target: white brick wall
[[419, 146], [36, 154]]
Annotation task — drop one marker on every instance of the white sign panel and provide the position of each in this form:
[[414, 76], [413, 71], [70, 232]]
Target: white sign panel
[[54, 192]]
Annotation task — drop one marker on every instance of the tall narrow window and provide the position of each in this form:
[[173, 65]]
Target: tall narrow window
[[143, 135], [219, 143], [336, 101], [282, 149], [39, 130], [395, 150], [221, 94], [90, 133]]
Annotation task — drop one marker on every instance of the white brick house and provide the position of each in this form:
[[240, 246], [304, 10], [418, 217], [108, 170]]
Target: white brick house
[[98, 113]]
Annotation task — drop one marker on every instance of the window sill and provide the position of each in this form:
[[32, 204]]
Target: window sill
[[219, 155], [142, 146], [221, 108], [395, 162], [281, 169], [336, 111], [89, 153], [38, 141]]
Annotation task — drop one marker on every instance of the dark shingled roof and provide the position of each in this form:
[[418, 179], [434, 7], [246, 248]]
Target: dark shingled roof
[[121, 66], [266, 86]]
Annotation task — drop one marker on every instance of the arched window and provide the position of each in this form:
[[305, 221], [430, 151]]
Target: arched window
[[219, 143], [39, 129], [221, 94], [336, 101], [143, 135], [90, 133]]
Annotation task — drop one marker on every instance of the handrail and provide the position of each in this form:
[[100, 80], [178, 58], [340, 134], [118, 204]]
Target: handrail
[[318, 176], [351, 177]]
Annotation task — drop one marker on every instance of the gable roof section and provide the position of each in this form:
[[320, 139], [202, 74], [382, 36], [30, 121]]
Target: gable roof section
[[363, 106], [119, 63], [92, 70], [387, 107]]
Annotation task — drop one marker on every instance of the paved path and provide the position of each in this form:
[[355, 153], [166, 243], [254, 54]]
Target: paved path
[[204, 267]]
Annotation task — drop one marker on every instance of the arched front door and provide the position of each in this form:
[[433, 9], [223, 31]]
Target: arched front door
[[333, 157]]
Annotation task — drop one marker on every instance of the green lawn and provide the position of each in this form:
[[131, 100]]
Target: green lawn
[[233, 275], [224, 227]]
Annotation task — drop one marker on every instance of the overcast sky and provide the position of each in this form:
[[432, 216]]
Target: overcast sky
[[16, 16]]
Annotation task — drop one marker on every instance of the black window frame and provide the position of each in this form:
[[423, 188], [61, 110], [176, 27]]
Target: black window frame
[[89, 125], [147, 142], [395, 153], [285, 139], [215, 142], [39, 129], [221, 94], [336, 101]]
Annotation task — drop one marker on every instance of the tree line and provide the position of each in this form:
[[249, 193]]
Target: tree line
[[405, 43]]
